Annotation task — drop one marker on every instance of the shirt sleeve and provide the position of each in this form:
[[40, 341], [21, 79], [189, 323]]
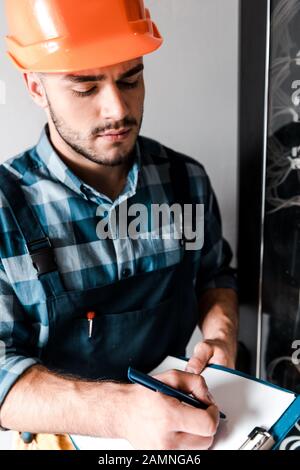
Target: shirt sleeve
[[214, 270], [16, 338]]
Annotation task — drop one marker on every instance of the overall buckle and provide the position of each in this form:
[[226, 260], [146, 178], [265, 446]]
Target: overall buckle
[[42, 255]]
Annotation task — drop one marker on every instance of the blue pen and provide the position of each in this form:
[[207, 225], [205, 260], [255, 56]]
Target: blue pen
[[158, 386]]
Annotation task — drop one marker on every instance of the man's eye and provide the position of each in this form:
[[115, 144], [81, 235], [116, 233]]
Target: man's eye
[[129, 85], [81, 94]]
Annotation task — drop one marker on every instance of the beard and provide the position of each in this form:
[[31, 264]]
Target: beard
[[81, 146]]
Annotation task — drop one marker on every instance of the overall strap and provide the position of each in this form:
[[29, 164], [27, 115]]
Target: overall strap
[[38, 244], [180, 183]]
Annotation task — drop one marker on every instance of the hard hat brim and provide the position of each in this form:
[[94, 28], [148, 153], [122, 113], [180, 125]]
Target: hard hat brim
[[64, 58]]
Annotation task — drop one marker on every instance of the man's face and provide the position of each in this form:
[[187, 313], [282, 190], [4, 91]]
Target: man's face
[[98, 112]]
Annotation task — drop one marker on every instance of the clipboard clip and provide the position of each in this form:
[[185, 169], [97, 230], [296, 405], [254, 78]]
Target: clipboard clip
[[258, 439]]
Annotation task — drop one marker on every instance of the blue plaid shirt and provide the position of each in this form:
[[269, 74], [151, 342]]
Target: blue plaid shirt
[[67, 209]]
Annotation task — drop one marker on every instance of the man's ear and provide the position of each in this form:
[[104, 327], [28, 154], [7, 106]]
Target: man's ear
[[36, 88]]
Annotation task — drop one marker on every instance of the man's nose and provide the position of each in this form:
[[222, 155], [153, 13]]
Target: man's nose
[[113, 105]]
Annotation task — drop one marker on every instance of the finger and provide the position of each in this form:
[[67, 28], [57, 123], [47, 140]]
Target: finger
[[188, 383], [203, 352], [187, 418], [221, 356], [192, 420], [184, 441]]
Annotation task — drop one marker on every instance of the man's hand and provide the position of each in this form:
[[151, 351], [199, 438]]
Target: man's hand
[[153, 420], [212, 352], [219, 325]]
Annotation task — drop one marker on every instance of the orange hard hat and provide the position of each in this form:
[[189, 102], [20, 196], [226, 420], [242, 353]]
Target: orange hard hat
[[73, 35]]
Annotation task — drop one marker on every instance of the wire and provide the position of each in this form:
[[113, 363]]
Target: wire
[[280, 162], [273, 364], [280, 165]]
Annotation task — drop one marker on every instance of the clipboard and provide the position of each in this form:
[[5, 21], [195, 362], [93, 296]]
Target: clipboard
[[250, 423], [283, 426], [259, 437], [263, 439]]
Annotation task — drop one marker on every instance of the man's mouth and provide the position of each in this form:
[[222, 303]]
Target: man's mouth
[[112, 136]]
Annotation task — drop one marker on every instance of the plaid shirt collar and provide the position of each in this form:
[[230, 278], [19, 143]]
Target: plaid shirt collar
[[65, 175]]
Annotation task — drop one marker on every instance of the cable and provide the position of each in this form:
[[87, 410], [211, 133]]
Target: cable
[[273, 364], [280, 161]]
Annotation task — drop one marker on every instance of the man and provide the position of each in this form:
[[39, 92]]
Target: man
[[78, 306]]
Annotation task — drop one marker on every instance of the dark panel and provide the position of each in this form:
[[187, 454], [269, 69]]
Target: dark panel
[[253, 21], [281, 261], [253, 34]]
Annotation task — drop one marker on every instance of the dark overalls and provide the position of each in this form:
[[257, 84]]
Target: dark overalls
[[139, 320]]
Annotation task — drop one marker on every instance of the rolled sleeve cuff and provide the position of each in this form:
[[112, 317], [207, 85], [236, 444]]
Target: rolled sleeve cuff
[[10, 373], [226, 280]]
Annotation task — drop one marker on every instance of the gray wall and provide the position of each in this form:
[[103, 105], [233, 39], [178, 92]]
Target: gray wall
[[192, 93], [193, 90]]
